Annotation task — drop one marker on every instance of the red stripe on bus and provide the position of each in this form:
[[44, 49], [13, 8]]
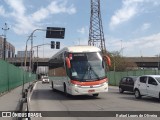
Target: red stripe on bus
[[89, 83]]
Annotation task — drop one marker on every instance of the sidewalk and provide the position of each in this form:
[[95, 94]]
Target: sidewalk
[[10, 101]]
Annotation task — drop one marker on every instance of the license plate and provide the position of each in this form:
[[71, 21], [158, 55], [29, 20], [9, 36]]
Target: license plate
[[90, 91]]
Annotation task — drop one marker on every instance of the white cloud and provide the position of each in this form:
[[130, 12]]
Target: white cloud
[[23, 26], [55, 7], [60, 7], [2, 11], [130, 8], [83, 30], [142, 28], [156, 2], [71, 10], [122, 16], [22, 23], [17, 6], [39, 15], [25, 23], [145, 26], [148, 45]]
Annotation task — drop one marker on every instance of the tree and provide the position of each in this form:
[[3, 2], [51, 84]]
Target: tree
[[119, 63]]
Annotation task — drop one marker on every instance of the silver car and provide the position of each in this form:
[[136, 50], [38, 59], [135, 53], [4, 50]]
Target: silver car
[[147, 85]]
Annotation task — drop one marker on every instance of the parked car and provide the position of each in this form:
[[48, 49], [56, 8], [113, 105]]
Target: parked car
[[147, 85], [127, 84], [45, 79]]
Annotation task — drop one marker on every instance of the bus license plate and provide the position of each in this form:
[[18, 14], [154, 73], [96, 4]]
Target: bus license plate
[[90, 91]]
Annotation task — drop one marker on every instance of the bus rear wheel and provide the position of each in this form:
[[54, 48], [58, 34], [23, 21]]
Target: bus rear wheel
[[95, 95]]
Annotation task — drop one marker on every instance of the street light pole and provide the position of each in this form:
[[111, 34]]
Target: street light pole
[[31, 36], [31, 54], [37, 56], [4, 43], [25, 58], [37, 50], [158, 61]]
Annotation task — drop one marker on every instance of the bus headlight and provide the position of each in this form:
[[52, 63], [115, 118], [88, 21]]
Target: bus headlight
[[75, 85], [103, 84]]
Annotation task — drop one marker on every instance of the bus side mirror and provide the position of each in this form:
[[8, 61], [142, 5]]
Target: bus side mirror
[[68, 63]]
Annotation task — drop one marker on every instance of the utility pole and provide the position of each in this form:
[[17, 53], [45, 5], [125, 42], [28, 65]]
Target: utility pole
[[31, 60], [37, 60], [4, 43]]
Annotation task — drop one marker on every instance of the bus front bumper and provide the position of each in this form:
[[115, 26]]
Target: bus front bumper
[[87, 90]]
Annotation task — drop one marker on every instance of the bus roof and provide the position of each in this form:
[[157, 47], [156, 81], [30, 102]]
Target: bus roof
[[78, 49]]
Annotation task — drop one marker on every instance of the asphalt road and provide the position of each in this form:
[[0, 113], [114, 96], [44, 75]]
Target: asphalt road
[[44, 99]]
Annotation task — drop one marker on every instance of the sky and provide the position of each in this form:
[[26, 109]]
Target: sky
[[131, 27]]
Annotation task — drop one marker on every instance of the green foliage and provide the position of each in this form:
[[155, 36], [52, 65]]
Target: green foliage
[[119, 63]]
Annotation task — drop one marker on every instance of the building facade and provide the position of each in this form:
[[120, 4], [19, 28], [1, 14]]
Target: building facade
[[10, 49], [21, 54]]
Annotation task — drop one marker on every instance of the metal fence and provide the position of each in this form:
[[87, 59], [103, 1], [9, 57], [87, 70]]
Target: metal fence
[[12, 76], [114, 77]]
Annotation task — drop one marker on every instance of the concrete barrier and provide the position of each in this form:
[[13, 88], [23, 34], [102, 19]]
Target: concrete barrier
[[25, 100]]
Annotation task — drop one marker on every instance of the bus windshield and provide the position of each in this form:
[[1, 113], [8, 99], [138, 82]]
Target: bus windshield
[[87, 66]]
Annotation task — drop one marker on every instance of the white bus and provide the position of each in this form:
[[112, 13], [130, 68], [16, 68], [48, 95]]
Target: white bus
[[78, 70]]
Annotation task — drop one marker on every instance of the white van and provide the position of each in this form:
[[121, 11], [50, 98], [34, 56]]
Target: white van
[[147, 85]]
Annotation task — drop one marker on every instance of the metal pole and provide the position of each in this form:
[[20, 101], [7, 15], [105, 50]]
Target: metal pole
[[31, 52], [158, 62], [4, 49], [25, 58], [31, 36], [114, 65], [37, 59]]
